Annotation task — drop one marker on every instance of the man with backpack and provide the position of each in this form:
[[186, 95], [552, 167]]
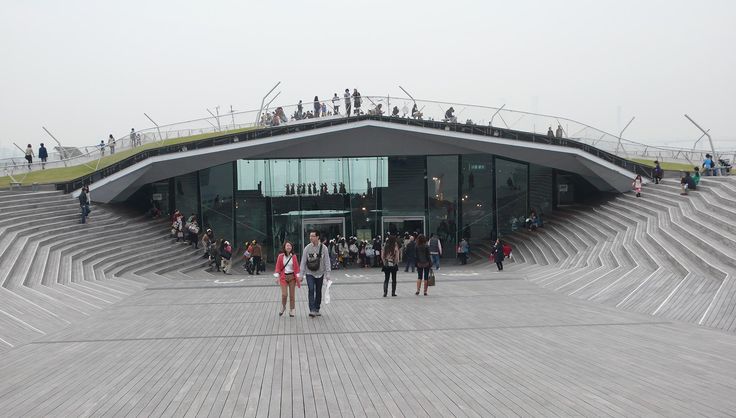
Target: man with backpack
[[315, 263]]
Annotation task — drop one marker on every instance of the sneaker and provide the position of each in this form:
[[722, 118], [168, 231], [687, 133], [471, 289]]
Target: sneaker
[[417, 293], [312, 315], [291, 313], [316, 313]]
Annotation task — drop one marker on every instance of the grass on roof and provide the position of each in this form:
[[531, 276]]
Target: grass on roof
[[64, 174], [665, 165]]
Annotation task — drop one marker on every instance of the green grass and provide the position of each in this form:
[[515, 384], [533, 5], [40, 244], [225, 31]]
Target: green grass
[[64, 174], [665, 165]]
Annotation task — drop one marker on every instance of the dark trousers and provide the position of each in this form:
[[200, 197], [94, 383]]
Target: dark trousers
[[85, 212], [390, 272], [410, 262], [463, 258], [315, 292], [499, 264], [257, 264]]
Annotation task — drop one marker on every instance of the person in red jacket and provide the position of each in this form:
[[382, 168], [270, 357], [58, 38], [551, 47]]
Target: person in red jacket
[[287, 276]]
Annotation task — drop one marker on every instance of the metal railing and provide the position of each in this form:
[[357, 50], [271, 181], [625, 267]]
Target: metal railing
[[322, 122], [401, 108]]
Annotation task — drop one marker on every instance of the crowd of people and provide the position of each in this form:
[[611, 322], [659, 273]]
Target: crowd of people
[[413, 252], [688, 182]]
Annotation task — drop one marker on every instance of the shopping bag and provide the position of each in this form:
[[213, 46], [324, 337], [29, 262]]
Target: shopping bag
[[430, 282], [327, 292]]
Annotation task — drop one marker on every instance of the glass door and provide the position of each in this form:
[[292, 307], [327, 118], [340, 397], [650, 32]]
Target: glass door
[[328, 228], [398, 225]]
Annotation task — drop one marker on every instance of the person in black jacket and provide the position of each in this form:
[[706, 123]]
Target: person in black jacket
[[83, 204], [423, 262], [43, 155], [498, 255]]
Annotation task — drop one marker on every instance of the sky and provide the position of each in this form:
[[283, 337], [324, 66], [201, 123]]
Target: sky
[[85, 69]]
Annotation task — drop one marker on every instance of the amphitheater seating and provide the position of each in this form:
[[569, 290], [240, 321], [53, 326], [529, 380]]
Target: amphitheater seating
[[662, 254], [54, 271]]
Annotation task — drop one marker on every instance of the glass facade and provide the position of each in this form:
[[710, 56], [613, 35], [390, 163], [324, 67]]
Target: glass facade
[[512, 195], [475, 196]]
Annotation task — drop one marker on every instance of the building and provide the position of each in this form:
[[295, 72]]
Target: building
[[366, 177]]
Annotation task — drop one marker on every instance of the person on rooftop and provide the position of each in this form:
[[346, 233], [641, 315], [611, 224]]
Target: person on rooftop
[[550, 134], [317, 107], [356, 101], [346, 95], [336, 104], [558, 133], [111, 144], [43, 155], [395, 112], [450, 116], [29, 155], [415, 113]]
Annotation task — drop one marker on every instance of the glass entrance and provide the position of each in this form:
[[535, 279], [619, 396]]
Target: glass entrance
[[328, 228], [398, 225]]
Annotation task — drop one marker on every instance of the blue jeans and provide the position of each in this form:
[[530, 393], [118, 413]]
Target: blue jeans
[[435, 261], [315, 292], [85, 212]]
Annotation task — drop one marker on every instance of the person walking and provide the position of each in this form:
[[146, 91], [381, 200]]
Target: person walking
[[29, 155], [435, 249], [257, 255], [315, 264], [637, 185], [657, 173], [132, 137], [84, 204], [299, 110], [423, 263], [287, 276], [410, 254], [111, 144], [102, 147], [391, 256], [498, 254], [347, 102], [43, 155]]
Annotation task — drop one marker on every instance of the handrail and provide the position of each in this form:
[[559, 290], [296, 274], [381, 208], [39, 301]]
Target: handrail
[[479, 114], [317, 123]]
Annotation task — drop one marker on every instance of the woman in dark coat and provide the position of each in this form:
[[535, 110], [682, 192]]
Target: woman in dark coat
[[498, 255]]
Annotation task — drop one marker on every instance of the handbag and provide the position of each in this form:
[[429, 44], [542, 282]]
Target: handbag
[[430, 281]]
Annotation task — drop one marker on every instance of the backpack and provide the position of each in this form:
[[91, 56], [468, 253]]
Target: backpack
[[314, 263]]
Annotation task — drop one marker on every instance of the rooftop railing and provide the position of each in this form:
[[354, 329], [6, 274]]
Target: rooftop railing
[[503, 119]]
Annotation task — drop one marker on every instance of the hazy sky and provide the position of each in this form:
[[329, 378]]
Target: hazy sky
[[85, 69]]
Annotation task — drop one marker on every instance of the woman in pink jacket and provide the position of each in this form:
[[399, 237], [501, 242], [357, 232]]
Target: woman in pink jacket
[[287, 273]]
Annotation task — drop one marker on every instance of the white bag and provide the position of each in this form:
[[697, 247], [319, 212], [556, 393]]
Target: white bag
[[327, 292]]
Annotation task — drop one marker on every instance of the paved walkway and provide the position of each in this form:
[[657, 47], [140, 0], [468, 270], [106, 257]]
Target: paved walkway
[[479, 345]]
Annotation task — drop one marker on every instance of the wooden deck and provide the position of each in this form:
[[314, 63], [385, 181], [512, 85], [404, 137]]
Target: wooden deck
[[482, 344]]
